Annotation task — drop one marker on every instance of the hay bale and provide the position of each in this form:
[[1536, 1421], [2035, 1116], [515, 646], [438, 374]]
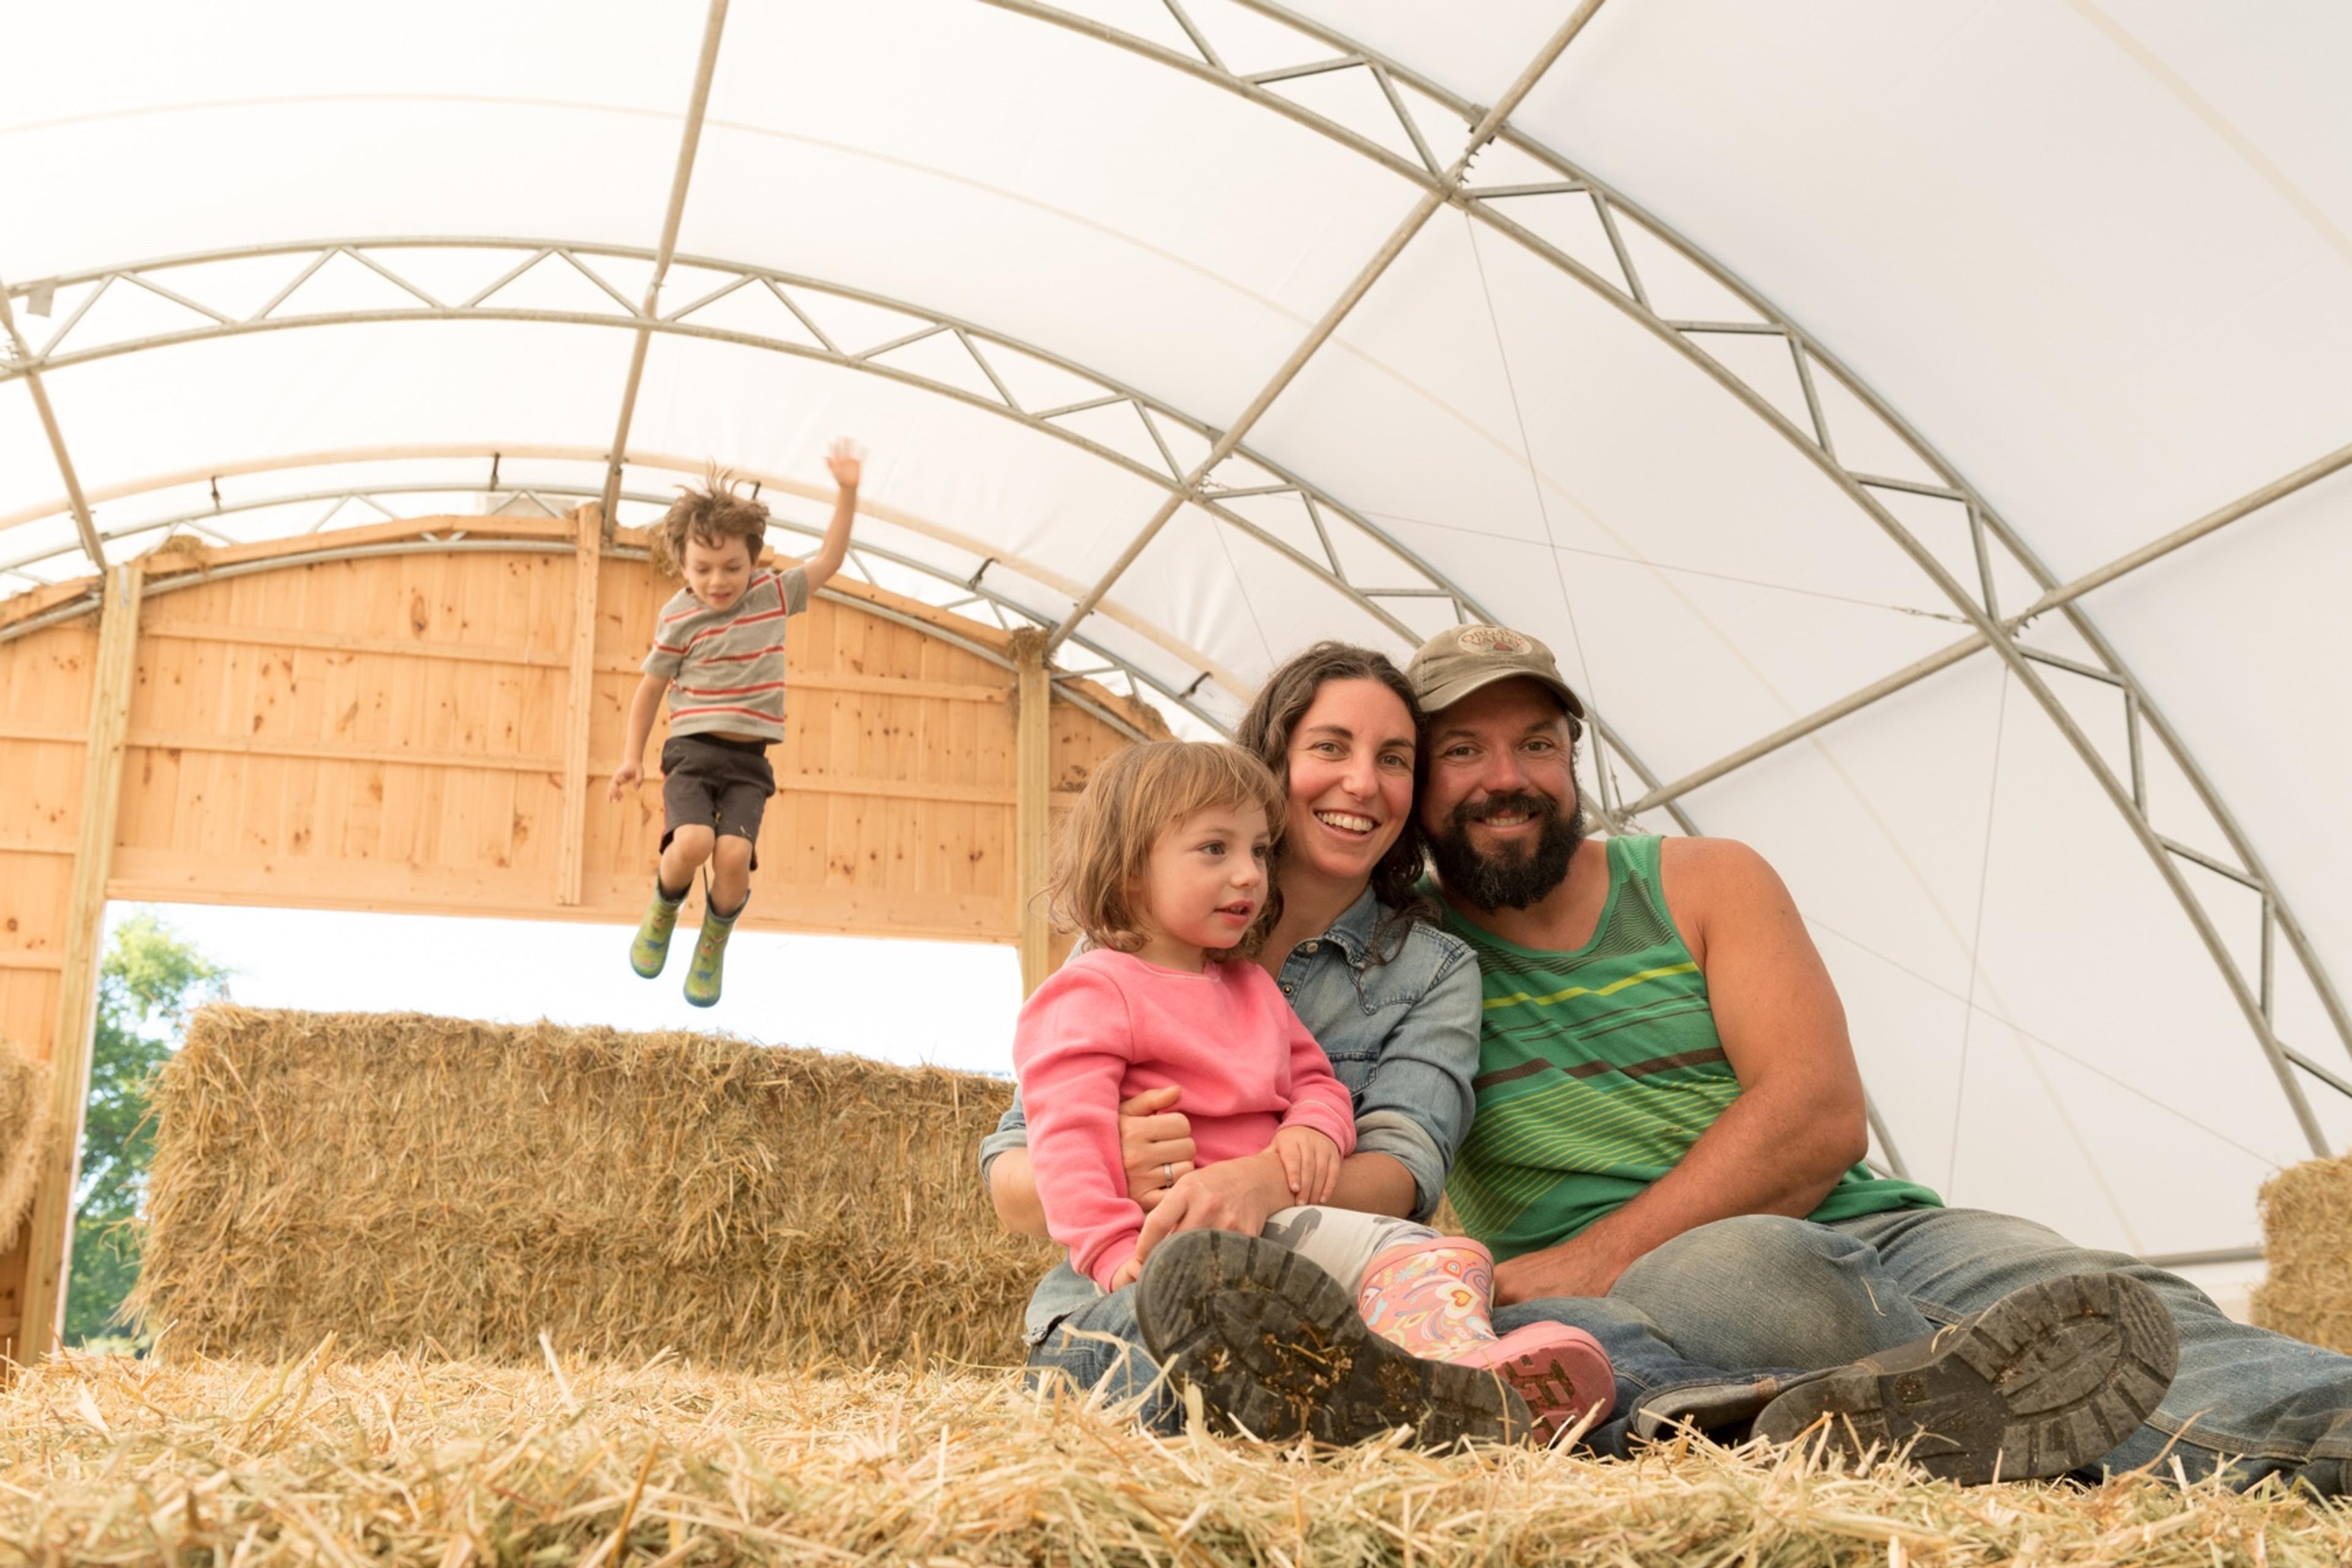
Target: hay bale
[[24, 1135], [2307, 1239], [407, 1464], [407, 1182]]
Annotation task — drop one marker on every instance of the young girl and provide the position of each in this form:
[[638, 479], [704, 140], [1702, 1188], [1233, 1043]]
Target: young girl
[[1164, 867], [719, 651]]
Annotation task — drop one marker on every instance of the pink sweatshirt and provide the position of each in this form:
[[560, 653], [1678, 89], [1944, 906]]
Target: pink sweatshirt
[[1107, 1026]]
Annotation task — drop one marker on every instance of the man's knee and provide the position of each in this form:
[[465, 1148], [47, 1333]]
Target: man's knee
[[1765, 1290], [1743, 1254]]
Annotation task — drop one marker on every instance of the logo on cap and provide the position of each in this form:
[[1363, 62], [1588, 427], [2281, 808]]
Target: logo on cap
[[1492, 640]]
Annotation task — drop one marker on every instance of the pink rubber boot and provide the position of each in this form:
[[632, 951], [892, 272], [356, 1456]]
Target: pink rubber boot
[[1433, 1299]]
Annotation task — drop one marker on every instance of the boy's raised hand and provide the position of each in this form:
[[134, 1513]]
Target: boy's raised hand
[[1310, 1162], [847, 462]]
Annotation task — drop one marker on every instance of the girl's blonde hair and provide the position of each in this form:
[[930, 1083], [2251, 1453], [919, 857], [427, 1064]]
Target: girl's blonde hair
[[1105, 846], [713, 514]]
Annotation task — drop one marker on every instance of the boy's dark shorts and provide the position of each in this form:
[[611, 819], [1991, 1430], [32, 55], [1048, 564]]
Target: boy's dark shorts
[[710, 782]]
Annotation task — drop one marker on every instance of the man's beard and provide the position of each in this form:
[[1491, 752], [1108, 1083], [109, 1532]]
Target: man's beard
[[1510, 880]]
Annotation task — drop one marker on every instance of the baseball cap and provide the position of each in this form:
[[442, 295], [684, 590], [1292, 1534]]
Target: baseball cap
[[1458, 661]]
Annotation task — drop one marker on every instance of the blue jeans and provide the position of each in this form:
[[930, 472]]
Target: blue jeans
[[1649, 1369], [1101, 1343], [1762, 1290]]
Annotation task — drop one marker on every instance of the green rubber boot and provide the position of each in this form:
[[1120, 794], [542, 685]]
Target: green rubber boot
[[702, 977], [651, 949]]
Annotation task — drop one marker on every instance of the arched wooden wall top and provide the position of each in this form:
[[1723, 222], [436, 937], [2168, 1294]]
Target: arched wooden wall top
[[386, 719]]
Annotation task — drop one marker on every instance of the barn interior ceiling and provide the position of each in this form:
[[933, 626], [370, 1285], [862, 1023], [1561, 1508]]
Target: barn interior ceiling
[[1919, 431]]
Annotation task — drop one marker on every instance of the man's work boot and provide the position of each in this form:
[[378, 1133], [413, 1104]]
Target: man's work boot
[[2044, 1381], [704, 975], [1433, 1299], [650, 951], [1275, 1346]]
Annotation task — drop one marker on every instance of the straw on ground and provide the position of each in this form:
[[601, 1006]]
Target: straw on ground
[[405, 1461]]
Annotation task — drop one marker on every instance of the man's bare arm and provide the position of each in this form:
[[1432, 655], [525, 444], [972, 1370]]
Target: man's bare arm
[[1798, 1122]]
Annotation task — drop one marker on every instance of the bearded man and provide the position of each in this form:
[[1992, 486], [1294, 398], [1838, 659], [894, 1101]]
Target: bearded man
[[1668, 1151]]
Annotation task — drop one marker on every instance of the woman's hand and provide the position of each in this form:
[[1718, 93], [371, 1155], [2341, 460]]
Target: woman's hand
[[1310, 1163], [1231, 1194], [1155, 1144]]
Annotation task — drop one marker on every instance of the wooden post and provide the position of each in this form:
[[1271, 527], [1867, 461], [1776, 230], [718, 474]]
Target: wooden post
[[1032, 693], [50, 1239], [588, 529]]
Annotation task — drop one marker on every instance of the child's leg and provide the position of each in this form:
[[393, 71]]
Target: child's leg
[[687, 848], [650, 948], [1341, 1242], [1434, 1297], [707, 972], [1272, 1343], [684, 846], [732, 859], [730, 873]]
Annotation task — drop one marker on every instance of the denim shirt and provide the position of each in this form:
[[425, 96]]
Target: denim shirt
[[1402, 1036]]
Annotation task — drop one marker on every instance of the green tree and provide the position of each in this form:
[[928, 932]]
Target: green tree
[[146, 987]]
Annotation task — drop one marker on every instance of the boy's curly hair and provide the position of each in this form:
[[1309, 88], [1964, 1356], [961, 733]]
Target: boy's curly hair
[[713, 514]]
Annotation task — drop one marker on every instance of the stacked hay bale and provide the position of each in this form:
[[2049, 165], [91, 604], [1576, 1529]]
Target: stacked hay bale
[[24, 1135], [2307, 1239], [411, 1183]]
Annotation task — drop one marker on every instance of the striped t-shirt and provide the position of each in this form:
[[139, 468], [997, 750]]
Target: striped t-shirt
[[1598, 1069], [726, 667]]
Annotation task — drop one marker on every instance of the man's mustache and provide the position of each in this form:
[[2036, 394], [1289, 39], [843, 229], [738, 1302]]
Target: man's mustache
[[1512, 802]]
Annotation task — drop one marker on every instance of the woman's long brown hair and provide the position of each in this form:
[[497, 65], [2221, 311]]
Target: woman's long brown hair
[[1265, 730]]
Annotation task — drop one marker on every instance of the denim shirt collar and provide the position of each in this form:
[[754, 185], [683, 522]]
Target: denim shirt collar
[[1353, 932]]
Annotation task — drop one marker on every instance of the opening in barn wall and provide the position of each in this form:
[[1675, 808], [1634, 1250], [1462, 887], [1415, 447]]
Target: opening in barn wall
[[421, 717]]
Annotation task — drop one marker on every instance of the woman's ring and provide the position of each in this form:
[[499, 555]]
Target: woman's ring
[[1167, 1174]]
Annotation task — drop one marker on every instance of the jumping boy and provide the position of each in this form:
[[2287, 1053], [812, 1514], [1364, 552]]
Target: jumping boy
[[719, 651]]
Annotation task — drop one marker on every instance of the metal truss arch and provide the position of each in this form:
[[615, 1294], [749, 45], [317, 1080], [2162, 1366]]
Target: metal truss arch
[[378, 255], [1979, 606], [975, 338]]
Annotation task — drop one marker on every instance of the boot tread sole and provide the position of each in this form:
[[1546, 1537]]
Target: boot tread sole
[[2050, 1379], [1275, 1345]]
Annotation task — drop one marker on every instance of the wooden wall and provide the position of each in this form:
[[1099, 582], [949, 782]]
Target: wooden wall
[[391, 734]]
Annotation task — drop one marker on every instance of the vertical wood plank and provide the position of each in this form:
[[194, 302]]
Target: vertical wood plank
[[1032, 717], [50, 1238], [579, 703]]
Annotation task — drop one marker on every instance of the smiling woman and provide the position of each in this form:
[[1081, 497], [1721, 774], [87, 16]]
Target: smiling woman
[[1342, 725]]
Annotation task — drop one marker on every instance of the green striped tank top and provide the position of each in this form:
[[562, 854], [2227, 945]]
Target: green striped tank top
[[1597, 1071]]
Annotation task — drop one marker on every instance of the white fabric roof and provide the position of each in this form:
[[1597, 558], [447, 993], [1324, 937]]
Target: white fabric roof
[[2079, 271]]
